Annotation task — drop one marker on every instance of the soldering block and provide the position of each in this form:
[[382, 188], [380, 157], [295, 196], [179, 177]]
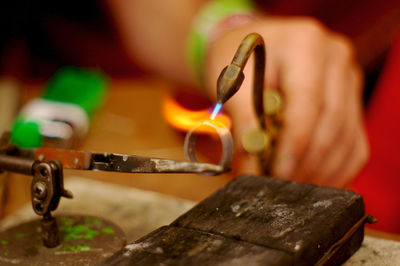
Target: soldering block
[[258, 220]]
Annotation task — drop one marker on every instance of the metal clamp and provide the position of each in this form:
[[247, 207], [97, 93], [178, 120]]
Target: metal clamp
[[47, 188]]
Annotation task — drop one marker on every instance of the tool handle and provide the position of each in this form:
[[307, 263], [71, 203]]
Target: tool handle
[[16, 164]]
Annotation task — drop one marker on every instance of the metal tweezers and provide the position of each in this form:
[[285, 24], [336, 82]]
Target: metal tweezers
[[114, 162]]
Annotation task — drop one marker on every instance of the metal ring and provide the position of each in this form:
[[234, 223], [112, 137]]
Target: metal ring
[[226, 141]]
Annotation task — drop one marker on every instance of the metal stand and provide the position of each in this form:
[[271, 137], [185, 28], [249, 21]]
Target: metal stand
[[63, 240]]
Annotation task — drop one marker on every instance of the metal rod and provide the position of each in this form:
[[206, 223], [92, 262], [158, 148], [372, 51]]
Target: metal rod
[[16, 164]]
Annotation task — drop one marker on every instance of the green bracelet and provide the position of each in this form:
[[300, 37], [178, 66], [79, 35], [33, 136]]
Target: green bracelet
[[208, 17]]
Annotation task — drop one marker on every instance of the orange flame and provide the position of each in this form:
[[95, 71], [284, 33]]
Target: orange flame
[[184, 119]]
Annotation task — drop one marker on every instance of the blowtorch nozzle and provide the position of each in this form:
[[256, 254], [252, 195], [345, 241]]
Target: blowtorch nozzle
[[229, 82]]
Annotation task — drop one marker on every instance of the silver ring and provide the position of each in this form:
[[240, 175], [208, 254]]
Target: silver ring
[[226, 141]]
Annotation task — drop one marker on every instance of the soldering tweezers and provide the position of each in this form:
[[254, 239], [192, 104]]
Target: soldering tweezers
[[114, 162]]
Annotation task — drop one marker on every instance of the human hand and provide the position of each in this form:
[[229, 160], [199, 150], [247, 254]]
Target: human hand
[[322, 140]]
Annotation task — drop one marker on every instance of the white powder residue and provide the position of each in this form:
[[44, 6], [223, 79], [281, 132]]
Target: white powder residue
[[322, 203], [135, 246]]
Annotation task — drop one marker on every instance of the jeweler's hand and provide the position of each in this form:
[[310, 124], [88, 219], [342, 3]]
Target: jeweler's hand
[[323, 139]]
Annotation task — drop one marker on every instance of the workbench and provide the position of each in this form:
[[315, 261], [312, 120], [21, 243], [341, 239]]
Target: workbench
[[139, 212], [131, 122]]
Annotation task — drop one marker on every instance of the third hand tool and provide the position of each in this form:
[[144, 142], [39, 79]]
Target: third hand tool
[[46, 166]]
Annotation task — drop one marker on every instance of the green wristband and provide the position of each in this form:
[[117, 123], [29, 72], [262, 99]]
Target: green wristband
[[208, 17]]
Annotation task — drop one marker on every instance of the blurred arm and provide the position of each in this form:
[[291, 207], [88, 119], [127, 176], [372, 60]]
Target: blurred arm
[[155, 33]]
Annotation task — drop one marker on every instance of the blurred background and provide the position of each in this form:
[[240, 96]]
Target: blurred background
[[37, 38]]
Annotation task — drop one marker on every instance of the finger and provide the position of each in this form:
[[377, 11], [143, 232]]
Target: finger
[[301, 83], [334, 163], [330, 166], [358, 157], [352, 163], [248, 164], [334, 113], [271, 69]]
